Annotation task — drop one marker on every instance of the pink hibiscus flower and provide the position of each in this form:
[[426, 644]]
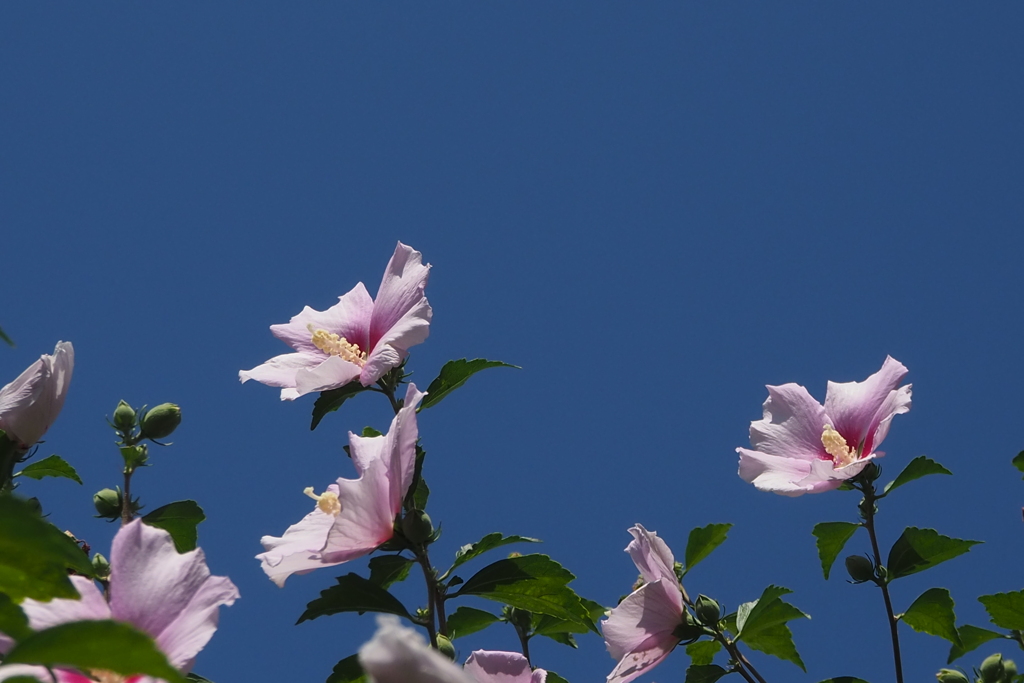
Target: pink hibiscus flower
[[31, 403], [642, 630], [353, 516], [358, 338], [170, 596], [800, 446], [489, 666]]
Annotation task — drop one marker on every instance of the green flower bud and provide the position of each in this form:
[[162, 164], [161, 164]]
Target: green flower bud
[[708, 611], [992, 669], [951, 676], [689, 630], [860, 568], [1010, 670], [161, 421], [124, 417], [108, 503], [416, 526], [101, 566], [445, 647]]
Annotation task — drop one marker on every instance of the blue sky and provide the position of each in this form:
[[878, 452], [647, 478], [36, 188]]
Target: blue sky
[[655, 209]]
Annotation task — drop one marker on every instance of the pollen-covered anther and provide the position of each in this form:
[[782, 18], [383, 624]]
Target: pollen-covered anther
[[107, 676], [835, 445], [333, 345], [327, 501]]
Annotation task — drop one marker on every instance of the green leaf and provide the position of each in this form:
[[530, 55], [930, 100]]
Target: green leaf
[[831, 538], [921, 466], [353, 594], [972, 638], [702, 541], [331, 400], [765, 612], [762, 625], [555, 678], [467, 620], [416, 498], [53, 466], [776, 641], [488, 542], [388, 569], [196, 678], [919, 549], [348, 670], [35, 556], [453, 375], [531, 582], [1005, 609], [708, 673], [1018, 461], [13, 621], [547, 625], [370, 431], [108, 645], [932, 613], [180, 520], [703, 652]]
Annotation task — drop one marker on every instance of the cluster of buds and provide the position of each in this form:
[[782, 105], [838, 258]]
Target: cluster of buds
[[155, 424], [994, 669]]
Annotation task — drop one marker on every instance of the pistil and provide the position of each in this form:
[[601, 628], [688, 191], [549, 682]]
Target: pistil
[[334, 345], [836, 446]]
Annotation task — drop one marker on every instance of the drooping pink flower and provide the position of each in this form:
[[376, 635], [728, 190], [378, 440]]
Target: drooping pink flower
[[800, 446], [353, 516], [358, 338], [490, 666], [168, 595], [641, 631], [31, 403], [397, 654]]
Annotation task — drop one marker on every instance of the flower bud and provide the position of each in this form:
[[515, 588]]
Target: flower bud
[[161, 421], [101, 566], [124, 417], [689, 630], [860, 568], [708, 611], [951, 676], [445, 647], [416, 526], [1009, 670], [108, 503], [992, 669]]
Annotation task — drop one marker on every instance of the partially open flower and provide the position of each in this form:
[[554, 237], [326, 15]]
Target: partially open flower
[[31, 403], [353, 516]]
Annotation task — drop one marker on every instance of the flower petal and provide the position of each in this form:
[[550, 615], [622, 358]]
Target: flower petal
[[330, 374], [31, 403], [791, 426], [862, 411], [654, 609], [489, 666], [366, 519], [775, 473], [92, 605], [280, 371], [397, 448], [400, 655], [652, 556], [401, 314], [646, 656], [298, 550], [383, 358], [168, 595], [349, 318]]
